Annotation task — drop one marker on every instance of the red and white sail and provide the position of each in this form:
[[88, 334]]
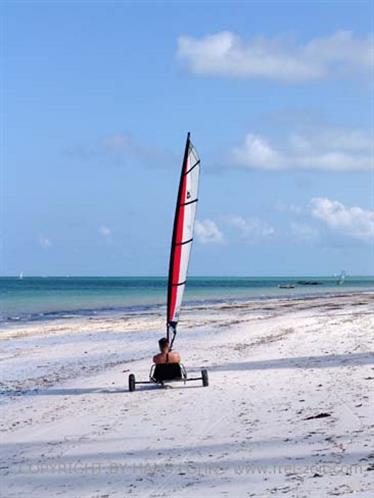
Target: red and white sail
[[182, 233]]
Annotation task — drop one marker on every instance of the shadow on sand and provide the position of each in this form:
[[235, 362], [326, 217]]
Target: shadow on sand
[[95, 390], [322, 361], [302, 362]]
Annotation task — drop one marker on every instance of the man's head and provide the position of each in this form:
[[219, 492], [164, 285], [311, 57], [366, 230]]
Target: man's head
[[164, 345]]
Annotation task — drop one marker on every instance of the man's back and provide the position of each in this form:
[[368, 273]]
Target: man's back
[[171, 357]]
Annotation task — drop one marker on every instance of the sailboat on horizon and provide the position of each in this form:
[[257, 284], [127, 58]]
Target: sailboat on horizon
[[341, 278]]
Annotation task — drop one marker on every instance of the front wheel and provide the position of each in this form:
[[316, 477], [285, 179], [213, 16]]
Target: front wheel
[[131, 382], [205, 378]]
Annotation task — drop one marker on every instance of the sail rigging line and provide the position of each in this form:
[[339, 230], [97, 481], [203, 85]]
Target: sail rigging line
[[189, 202], [182, 234], [192, 167]]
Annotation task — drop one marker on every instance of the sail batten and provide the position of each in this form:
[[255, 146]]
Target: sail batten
[[184, 222]]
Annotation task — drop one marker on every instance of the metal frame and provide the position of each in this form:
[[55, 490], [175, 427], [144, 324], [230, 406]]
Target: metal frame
[[151, 380]]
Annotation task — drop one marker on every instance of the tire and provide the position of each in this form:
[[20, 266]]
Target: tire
[[131, 382], [204, 377]]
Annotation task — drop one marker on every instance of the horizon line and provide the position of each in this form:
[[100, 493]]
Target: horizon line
[[191, 276]]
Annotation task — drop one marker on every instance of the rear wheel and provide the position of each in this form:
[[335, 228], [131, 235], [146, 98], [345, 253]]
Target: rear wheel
[[205, 378], [131, 382]]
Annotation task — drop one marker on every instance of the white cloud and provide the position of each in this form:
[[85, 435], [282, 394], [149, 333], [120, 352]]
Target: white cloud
[[323, 149], [257, 152], [304, 232], [226, 54], [250, 229], [105, 231], [207, 232], [352, 221], [45, 242]]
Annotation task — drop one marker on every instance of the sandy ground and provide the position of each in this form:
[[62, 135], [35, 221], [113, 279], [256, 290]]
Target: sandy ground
[[289, 410]]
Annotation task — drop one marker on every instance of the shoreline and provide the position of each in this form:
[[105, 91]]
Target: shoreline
[[158, 308]]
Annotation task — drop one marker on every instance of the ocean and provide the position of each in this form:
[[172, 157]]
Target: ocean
[[43, 298]]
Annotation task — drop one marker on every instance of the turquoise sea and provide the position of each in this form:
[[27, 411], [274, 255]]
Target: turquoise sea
[[40, 298]]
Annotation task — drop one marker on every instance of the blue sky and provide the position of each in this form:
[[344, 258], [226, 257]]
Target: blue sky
[[98, 97]]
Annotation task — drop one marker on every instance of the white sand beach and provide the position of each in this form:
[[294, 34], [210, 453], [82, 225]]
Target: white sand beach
[[289, 409]]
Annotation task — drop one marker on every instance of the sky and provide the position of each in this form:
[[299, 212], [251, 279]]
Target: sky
[[97, 98]]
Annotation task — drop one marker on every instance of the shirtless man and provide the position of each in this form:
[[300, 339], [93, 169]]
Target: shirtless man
[[166, 356]]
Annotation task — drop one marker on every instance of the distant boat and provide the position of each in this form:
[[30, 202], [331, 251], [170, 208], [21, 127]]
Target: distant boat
[[20, 276], [341, 278], [308, 282], [286, 286]]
